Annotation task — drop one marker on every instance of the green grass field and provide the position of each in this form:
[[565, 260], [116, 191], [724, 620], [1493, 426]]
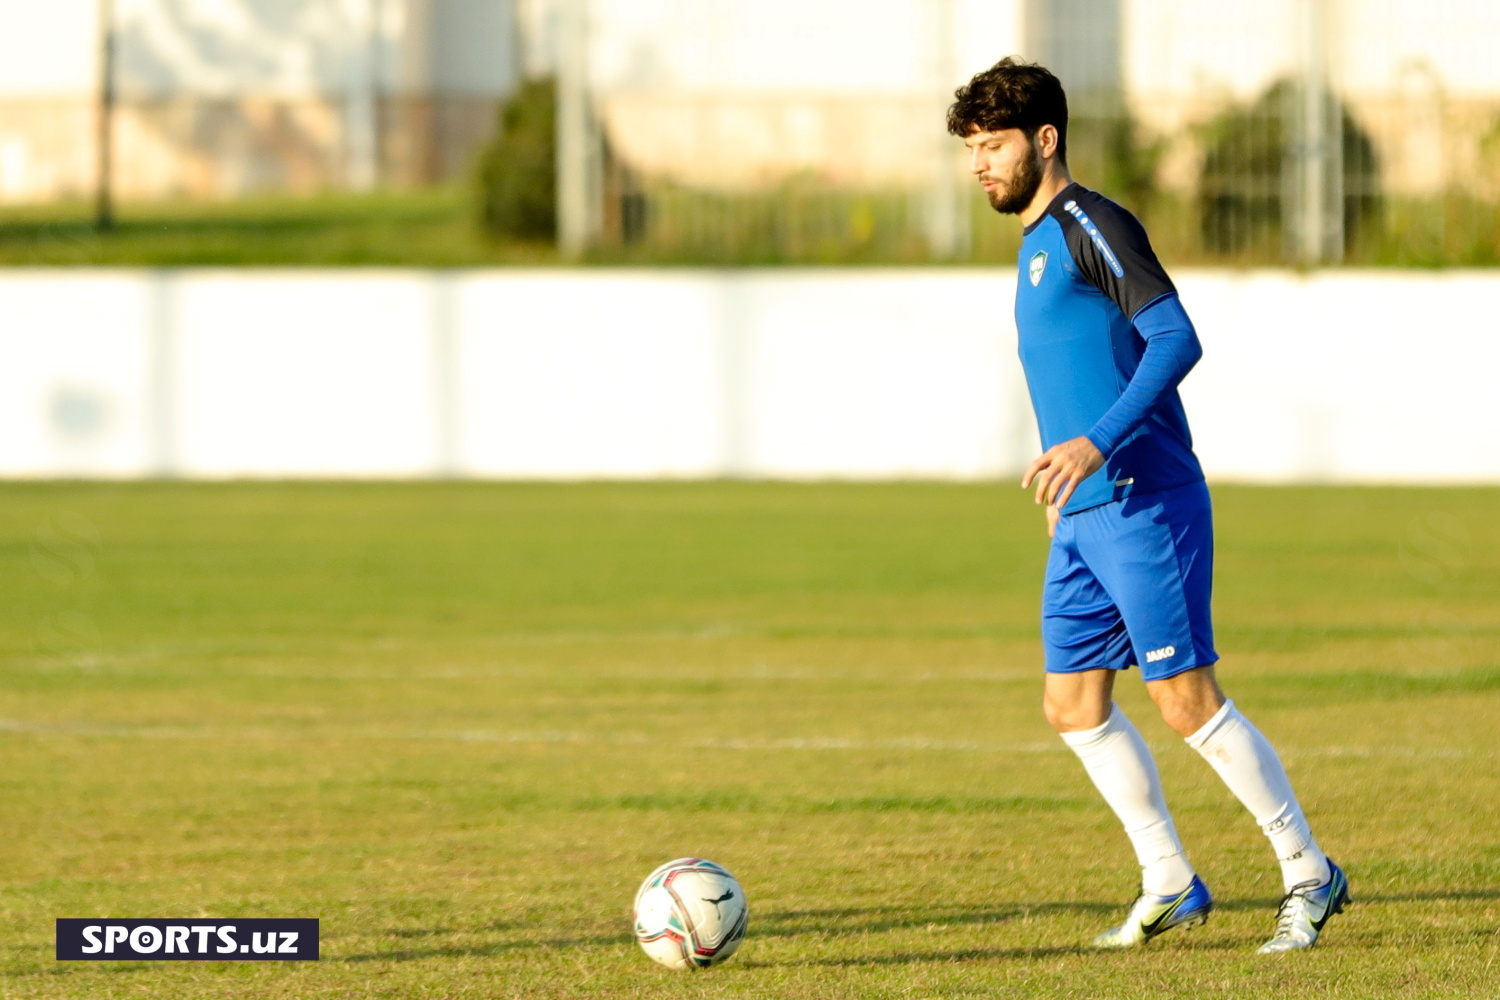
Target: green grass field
[[428, 228], [790, 225], [458, 723]]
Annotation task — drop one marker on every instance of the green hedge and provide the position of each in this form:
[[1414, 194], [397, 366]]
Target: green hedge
[[517, 170]]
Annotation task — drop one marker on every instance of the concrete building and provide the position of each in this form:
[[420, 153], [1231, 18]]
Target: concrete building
[[218, 98], [224, 97]]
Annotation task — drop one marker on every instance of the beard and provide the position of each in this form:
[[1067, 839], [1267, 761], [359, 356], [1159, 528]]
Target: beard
[[1017, 192]]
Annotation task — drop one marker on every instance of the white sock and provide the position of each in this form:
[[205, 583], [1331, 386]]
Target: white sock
[[1249, 766], [1121, 767]]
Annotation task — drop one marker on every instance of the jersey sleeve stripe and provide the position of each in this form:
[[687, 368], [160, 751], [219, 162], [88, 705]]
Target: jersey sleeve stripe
[[1071, 207]]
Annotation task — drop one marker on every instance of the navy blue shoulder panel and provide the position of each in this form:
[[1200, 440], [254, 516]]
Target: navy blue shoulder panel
[[1111, 249]]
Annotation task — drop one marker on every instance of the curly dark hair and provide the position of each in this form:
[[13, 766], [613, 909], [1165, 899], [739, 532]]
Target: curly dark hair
[[1012, 94]]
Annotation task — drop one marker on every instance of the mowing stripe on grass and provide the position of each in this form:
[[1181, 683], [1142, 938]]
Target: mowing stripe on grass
[[22, 728]]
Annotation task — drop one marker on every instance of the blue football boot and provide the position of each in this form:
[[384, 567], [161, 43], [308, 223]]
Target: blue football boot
[[1150, 915], [1304, 911]]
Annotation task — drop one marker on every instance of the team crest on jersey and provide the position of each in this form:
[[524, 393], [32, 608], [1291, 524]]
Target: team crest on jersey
[[1038, 265]]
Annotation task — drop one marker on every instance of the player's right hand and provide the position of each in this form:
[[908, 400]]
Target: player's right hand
[[1052, 515]]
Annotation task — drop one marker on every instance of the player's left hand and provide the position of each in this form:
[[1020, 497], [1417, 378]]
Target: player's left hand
[[1061, 468]]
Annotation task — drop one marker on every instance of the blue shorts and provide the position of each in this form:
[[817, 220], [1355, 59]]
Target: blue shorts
[[1129, 582]]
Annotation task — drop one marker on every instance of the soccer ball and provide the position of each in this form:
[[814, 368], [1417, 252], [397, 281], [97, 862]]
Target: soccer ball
[[690, 914]]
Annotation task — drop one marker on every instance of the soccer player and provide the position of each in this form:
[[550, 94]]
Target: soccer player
[[1104, 341]]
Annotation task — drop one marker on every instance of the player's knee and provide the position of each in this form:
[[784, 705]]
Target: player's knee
[[1056, 714], [1183, 713], [1071, 716], [1176, 715], [1187, 701]]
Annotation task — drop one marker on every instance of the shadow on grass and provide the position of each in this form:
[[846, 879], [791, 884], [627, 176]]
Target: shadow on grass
[[977, 955], [786, 923], [790, 923], [1456, 896], [1359, 898], [490, 950], [867, 920], [424, 932], [917, 957]]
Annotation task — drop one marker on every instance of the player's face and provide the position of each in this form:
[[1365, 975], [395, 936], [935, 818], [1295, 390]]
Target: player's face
[[1008, 167]]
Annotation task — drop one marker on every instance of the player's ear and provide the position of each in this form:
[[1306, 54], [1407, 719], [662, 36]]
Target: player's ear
[[1046, 141]]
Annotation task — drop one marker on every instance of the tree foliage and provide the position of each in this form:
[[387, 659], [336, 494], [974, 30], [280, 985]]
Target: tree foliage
[[517, 172]]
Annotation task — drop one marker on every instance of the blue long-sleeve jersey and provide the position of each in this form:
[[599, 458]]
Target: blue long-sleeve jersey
[[1104, 341]]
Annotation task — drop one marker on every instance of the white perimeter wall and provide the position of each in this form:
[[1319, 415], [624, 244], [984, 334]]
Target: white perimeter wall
[[1345, 376]]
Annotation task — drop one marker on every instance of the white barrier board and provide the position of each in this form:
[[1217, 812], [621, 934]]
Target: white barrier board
[[1342, 376]]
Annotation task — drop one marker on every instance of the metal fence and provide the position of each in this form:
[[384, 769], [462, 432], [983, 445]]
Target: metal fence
[[1305, 132]]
